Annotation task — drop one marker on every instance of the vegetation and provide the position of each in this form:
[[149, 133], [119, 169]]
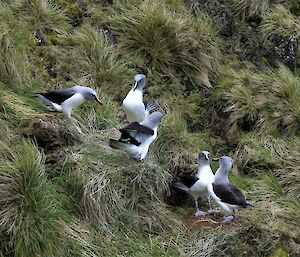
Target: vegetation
[[280, 21], [247, 9], [65, 194]]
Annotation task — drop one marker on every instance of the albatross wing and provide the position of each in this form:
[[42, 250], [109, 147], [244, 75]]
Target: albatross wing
[[58, 97], [136, 127], [230, 194]]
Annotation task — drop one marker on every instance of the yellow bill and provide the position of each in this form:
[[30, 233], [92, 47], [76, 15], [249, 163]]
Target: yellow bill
[[97, 99]]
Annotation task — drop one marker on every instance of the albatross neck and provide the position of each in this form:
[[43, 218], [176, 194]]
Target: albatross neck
[[221, 176]]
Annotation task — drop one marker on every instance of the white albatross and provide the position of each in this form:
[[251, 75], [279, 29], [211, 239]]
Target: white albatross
[[196, 185], [135, 108]]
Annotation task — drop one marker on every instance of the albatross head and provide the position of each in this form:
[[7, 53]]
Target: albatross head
[[226, 163], [87, 93], [203, 158], [221, 176], [139, 82]]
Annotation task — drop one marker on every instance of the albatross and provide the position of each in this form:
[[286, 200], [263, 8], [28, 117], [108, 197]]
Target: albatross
[[66, 99], [135, 108], [137, 137], [227, 196], [196, 185]]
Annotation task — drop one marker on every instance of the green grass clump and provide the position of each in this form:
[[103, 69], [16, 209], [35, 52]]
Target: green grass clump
[[116, 190], [280, 21], [256, 156], [264, 102], [246, 9], [276, 155], [167, 44], [42, 16], [99, 63], [176, 147], [237, 96], [31, 209], [282, 106], [12, 53]]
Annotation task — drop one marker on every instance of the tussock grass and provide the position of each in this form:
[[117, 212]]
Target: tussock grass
[[99, 63], [165, 43], [277, 210], [282, 106], [280, 21], [279, 156], [236, 95], [176, 148], [81, 239], [265, 102], [246, 9], [12, 49], [257, 155], [30, 206], [42, 16], [117, 190]]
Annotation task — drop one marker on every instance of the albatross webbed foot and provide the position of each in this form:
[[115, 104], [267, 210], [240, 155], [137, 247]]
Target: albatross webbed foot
[[229, 218], [199, 213], [210, 211]]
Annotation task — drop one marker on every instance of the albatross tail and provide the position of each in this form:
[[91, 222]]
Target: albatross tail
[[52, 106], [248, 206], [133, 150], [180, 186]]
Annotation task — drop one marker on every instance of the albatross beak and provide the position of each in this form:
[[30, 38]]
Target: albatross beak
[[215, 159], [97, 99]]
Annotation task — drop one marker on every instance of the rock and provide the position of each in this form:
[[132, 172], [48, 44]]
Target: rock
[[282, 49]]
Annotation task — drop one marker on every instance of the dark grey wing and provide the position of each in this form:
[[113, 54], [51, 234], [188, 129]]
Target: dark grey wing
[[58, 97], [135, 133], [188, 180], [240, 196], [136, 127], [227, 194]]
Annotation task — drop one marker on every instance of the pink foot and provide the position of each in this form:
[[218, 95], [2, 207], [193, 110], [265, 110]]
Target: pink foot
[[229, 218], [212, 211], [200, 213]]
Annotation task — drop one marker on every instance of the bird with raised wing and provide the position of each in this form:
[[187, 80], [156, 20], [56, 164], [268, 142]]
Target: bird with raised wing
[[196, 185], [135, 108], [227, 196], [136, 138]]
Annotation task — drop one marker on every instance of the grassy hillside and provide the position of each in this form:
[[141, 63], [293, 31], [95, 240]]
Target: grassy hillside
[[226, 75]]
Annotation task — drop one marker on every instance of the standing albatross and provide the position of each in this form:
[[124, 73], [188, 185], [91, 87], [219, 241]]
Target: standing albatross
[[137, 137], [228, 196], [134, 106], [196, 185], [66, 99]]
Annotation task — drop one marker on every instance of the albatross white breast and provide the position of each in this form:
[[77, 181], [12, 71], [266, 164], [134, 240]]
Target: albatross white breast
[[134, 106]]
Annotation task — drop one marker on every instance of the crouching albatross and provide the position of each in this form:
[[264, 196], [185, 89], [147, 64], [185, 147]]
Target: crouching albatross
[[225, 194], [196, 185], [135, 108], [66, 99], [137, 137]]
